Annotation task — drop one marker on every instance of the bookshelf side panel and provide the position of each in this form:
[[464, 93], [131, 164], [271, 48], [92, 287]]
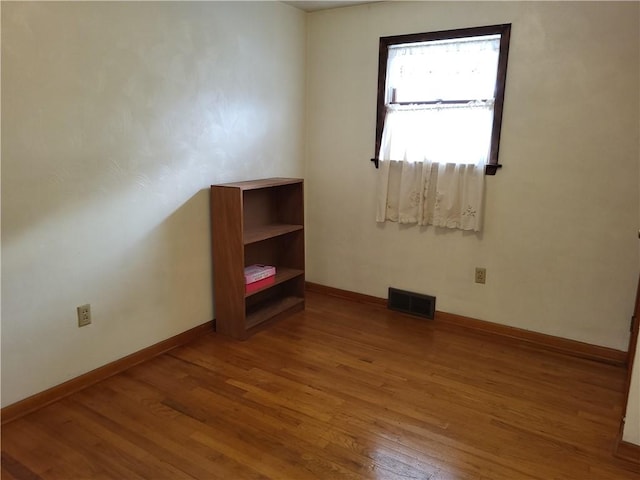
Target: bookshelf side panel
[[228, 260]]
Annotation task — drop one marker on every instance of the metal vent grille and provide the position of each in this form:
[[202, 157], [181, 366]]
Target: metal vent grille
[[413, 303]]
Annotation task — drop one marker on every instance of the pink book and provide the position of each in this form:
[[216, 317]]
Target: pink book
[[253, 273]]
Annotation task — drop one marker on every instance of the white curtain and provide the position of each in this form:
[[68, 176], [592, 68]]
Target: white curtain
[[428, 193], [433, 156], [463, 68]]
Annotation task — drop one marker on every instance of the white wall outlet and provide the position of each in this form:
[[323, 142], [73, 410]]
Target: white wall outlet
[[84, 315]]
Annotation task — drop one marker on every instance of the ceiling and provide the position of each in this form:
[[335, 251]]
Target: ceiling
[[313, 6]]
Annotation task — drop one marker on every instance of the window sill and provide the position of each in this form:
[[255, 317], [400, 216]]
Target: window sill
[[489, 169]]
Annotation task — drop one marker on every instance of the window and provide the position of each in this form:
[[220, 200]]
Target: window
[[440, 96]]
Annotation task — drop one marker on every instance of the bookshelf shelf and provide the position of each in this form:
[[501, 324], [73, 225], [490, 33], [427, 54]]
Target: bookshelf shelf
[[283, 274], [257, 234]]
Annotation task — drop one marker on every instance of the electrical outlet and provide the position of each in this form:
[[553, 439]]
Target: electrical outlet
[[481, 275], [84, 315]]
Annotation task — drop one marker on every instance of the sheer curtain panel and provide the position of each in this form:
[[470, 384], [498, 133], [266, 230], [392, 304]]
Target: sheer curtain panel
[[437, 132]]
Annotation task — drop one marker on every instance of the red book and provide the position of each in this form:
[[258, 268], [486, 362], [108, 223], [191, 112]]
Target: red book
[[265, 282]]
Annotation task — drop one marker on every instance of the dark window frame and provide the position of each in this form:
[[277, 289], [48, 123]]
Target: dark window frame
[[504, 30]]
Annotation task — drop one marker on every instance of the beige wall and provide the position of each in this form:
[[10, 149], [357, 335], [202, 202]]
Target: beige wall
[[559, 240], [116, 118]]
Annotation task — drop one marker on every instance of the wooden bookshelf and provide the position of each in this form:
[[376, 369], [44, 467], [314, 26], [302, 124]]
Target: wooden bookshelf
[[259, 221]]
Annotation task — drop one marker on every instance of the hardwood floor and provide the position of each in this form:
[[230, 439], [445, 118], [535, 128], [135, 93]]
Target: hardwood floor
[[341, 390]]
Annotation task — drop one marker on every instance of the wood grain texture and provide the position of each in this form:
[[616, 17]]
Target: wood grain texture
[[35, 402], [341, 390], [228, 259], [259, 222], [509, 334], [628, 451]]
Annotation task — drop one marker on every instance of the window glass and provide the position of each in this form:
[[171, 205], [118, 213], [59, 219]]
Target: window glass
[[440, 96]]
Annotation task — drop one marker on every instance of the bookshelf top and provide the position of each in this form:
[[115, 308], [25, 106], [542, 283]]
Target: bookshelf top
[[262, 183]]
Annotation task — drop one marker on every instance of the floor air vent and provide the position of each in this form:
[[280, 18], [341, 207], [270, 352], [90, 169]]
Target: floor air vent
[[413, 303]]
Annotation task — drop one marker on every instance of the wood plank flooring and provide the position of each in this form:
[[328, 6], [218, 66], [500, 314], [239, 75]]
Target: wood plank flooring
[[340, 391]]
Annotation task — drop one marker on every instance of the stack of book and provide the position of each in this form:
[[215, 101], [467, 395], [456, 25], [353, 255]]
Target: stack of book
[[258, 276]]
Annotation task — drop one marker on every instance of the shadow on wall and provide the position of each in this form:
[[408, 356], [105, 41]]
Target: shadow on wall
[[143, 288], [169, 269]]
